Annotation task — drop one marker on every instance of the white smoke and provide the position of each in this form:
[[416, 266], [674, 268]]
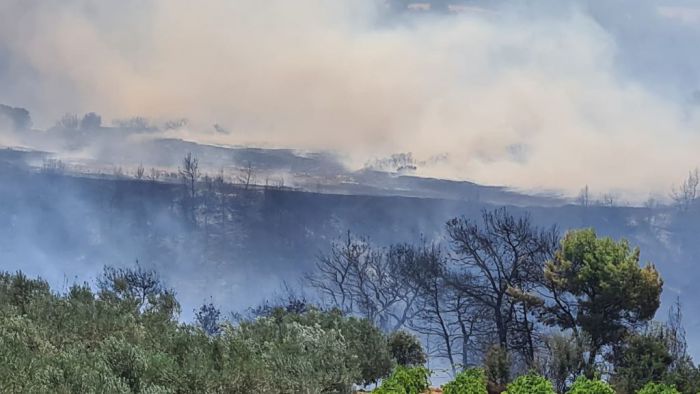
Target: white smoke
[[531, 97]]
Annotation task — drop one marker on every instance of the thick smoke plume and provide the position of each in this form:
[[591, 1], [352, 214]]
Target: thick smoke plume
[[553, 94]]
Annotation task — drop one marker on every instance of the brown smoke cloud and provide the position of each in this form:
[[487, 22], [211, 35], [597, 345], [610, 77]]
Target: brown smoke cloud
[[531, 102]]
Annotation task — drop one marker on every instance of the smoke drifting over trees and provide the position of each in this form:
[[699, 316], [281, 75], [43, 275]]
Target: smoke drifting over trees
[[502, 90], [372, 157]]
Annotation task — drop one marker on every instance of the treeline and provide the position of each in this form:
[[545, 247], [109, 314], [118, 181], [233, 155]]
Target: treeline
[[122, 335], [507, 305], [503, 294]]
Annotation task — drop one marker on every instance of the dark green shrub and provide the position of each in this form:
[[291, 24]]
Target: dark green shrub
[[405, 381], [583, 385], [470, 381], [497, 365], [640, 359], [406, 349], [370, 345], [530, 384], [125, 338]]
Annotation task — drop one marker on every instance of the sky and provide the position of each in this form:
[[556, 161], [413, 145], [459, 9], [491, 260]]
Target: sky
[[537, 95]]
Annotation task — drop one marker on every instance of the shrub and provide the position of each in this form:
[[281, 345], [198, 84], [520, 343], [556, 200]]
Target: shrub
[[497, 365], [125, 339], [658, 388], [641, 358], [470, 381], [405, 381], [406, 349], [583, 385], [530, 384], [369, 344]]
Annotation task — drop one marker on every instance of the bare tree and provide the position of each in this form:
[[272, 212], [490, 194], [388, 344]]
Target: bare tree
[[448, 319], [686, 194], [175, 124], [677, 345], [140, 172], [222, 200], [359, 279], [68, 121], [190, 174], [608, 200], [138, 123], [584, 197], [247, 178], [208, 198], [499, 261], [275, 183], [651, 203], [154, 175], [53, 166]]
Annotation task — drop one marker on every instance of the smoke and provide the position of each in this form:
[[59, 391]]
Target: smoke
[[539, 96]]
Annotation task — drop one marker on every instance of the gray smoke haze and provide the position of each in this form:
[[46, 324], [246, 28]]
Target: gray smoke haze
[[549, 94]]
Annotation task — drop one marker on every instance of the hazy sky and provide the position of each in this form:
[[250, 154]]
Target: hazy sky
[[554, 94]]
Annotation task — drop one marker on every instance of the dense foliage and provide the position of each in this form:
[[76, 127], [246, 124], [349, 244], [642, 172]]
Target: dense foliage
[[406, 349], [536, 314], [658, 388], [469, 381], [530, 384], [599, 291], [405, 381], [583, 385], [125, 338]]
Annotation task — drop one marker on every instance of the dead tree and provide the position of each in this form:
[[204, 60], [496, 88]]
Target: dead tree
[[221, 201], [448, 316], [608, 200], [584, 197], [498, 261], [140, 172], [364, 281], [68, 122], [685, 195], [189, 173], [434, 316], [247, 178], [154, 175]]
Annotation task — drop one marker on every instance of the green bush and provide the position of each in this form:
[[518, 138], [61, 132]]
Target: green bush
[[583, 385], [470, 381], [497, 364], [369, 343], [406, 349], [125, 338], [405, 381], [530, 384], [658, 388]]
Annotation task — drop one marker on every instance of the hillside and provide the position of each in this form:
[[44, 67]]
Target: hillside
[[249, 240]]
